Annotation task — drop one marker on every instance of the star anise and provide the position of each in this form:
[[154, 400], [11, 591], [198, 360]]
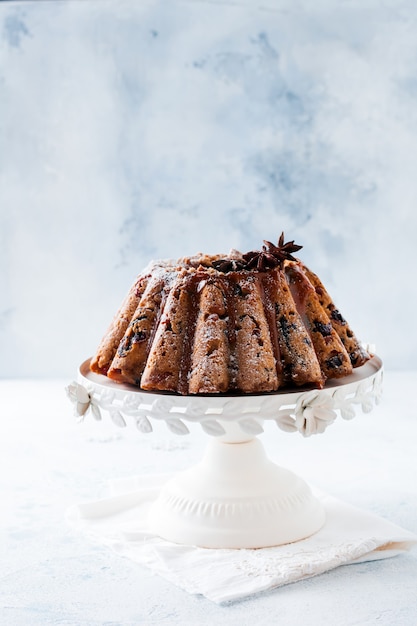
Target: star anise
[[283, 250], [228, 265], [271, 255], [260, 260]]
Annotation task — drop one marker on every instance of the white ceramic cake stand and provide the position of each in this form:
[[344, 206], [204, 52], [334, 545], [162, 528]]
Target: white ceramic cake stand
[[235, 497]]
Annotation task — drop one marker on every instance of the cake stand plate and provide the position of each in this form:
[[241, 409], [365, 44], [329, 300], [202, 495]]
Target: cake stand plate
[[235, 497]]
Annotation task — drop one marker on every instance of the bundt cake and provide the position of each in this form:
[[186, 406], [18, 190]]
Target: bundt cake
[[248, 323]]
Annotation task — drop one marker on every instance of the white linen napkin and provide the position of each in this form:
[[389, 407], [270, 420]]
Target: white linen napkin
[[349, 535]]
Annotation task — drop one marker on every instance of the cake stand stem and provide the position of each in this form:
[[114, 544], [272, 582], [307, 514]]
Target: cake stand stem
[[235, 497]]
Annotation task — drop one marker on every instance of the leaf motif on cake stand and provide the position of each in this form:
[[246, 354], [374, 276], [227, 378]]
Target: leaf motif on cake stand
[[196, 409], [130, 404], [177, 426], [143, 424], [286, 422], [213, 427], [117, 417], [344, 404], [106, 399], [251, 426], [161, 408], [364, 396], [250, 421]]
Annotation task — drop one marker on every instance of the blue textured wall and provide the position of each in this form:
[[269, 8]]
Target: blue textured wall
[[137, 130]]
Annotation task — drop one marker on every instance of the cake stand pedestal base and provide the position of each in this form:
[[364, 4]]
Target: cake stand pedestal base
[[236, 498]]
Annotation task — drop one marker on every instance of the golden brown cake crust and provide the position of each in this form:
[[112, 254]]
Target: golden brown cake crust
[[163, 370], [209, 371], [247, 323], [298, 358], [357, 353], [114, 334], [130, 359], [330, 351], [256, 371]]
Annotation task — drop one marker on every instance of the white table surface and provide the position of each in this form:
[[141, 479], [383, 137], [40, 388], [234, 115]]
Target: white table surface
[[52, 575]]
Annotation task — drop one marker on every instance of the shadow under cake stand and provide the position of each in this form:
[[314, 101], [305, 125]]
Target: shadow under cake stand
[[235, 497]]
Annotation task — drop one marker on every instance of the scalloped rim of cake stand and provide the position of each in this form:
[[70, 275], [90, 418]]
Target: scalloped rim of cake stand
[[235, 497], [233, 417]]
